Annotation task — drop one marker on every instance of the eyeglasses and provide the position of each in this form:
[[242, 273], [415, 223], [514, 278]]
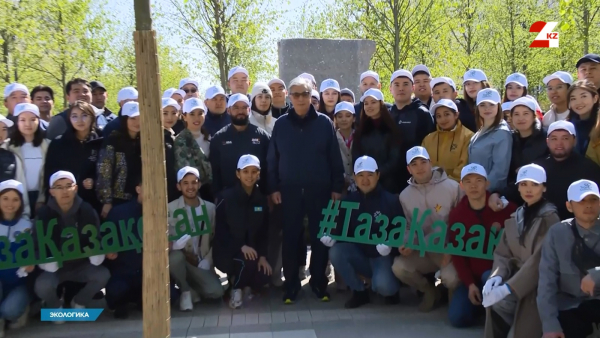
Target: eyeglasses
[[68, 187], [299, 95], [187, 91]]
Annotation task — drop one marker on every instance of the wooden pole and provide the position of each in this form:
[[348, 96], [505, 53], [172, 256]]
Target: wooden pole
[[156, 304]]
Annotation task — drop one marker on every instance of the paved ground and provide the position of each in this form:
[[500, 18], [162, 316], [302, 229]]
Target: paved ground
[[268, 317]]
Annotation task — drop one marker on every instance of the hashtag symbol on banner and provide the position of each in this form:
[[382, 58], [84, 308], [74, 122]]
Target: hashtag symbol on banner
[[330, 215]]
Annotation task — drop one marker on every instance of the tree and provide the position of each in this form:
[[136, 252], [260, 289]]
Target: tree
[[16, 25]]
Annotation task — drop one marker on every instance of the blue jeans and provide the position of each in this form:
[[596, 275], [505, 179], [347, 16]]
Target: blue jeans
[[348, 260], [14, 303], [461, 312]]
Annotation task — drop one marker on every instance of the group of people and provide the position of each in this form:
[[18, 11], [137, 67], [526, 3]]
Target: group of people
[[264, 169]]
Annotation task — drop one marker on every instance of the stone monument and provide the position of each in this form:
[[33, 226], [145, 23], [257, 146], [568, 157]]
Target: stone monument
[[342, 60]]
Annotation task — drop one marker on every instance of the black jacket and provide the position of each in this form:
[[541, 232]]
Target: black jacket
[[415, 122], [130, 261], [304, 153], [377, 201], [226, 148], [378, 143], [277, 112], [215, 122], [559, 176], [528, 150], [242, 220], [172, 192], [68, 153], [8, 165], [466, 115]]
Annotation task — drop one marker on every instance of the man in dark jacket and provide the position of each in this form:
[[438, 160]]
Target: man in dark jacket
[[234, 140], [563, 167], [76, 89], [280, 105], [305, 171], [370, 261], [125, 283], [368, 80], [14, 94], [70, 211], [422, 77], [216, 116]]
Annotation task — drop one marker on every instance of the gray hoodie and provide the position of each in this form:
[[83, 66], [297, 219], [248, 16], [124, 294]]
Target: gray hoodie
[[492, 149]]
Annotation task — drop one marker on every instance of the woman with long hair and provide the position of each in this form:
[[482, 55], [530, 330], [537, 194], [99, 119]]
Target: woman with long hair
[[28, 143], [377, 136], [329, 97], [474, 80], [583, 111], [515, 87]]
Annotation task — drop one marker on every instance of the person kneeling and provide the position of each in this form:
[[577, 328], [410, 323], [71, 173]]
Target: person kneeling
[[240, 245], [568, 303], [190, 258], [370, 261], [70, 211]]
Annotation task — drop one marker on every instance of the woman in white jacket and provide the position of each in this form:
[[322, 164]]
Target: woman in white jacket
[[262, 101]]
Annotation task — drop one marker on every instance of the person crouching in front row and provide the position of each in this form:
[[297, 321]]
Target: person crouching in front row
[[190, 258], [240, 244], [370, 261], [70, 211]]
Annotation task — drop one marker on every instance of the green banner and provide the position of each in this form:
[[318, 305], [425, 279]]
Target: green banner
[[393, 232], [111, 238]]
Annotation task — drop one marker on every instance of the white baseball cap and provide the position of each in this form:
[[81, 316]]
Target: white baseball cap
[[179, 92], [402, 73], [476, 75], [473, 168], [187, 170], [314, 93], [131, 109], [276, 80], [415, 152], [365, 163], [420, 68], [517, 78], [443, 103], [308, 77], [531, 172], [506, 106], [188, 80], [443, 79], [192, 104], [236, 70], [169, 102], [369, 73], [12, 184], [169, 92], [578, 190], [248, 160], [26, 107], [524, 101], [260, 88], [235, 98], [562, 125], [59, 175], [6, 121], [347, 91], [15, 87], [344, 106], [374, 93], [127, 93], [560, 75], [488, 95], [213, 91], [329, 84]]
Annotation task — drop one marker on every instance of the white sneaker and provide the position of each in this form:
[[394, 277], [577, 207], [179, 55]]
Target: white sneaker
[[76, 306], [235, 300], [185, 301], [20, 322], [58, 322]]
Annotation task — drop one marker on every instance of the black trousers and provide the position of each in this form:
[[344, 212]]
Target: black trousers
[[582, 321], [124, 288], [246, 274]]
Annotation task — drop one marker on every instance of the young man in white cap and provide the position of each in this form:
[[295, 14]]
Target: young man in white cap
[[445, 88], [190, 88], [422, 78], [567, 296], [370, 261], [368, 80], [240, 244], [465, 305], [126, 94], [238, 80], [217, 118], [234, 140], [261, 104], [303, 179], [191, 258], [70, 211], [14, 94], [563, 166], [280, 105], [76, 90], [347, 95], [429, 188]]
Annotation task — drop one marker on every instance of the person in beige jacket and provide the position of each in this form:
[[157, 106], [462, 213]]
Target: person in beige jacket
[[429, 188], [344, 122], [190, 258], [510, 293]]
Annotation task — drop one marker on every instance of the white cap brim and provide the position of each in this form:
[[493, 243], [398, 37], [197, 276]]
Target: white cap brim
[[278, 81], [7, 122], [584, 195]]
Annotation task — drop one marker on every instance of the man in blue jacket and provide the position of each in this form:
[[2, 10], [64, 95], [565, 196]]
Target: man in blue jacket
[[305, 171], [371, 261]]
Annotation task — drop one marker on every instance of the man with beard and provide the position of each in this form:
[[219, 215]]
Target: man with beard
[[563, 167], [234, 140]]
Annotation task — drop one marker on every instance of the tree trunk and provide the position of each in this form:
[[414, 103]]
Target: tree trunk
[[221, 55]]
